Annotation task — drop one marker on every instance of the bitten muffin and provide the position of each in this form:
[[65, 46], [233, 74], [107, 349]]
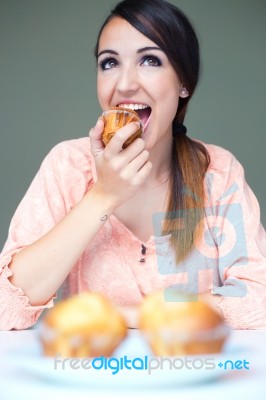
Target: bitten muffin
[[115, 119], [85, 325], [181, 326]]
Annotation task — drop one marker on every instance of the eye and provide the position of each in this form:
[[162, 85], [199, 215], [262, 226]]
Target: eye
[[107, 63], [151, 61]]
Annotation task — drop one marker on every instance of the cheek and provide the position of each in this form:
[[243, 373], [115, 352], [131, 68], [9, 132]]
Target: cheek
[[100, 91], [170, 94], [104, 91]]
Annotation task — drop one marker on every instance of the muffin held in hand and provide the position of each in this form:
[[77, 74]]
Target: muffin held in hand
[[85, 325], [181, 326], [115, 119]]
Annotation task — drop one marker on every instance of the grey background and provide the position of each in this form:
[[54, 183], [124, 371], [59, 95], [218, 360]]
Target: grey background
[[48, 91]]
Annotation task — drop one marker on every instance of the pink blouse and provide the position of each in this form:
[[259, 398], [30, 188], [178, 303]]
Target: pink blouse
[[230, 260]]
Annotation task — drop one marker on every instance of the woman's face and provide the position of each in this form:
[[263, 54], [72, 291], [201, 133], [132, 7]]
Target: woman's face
[[134, 72]]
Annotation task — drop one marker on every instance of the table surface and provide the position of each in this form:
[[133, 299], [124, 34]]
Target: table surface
[[17, 382]]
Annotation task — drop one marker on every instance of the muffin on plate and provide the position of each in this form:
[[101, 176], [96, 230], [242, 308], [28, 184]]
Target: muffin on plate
[[115, 119], [181, 326], [85, 325]]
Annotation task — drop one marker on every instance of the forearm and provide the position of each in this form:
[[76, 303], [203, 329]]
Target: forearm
[[40, 268]]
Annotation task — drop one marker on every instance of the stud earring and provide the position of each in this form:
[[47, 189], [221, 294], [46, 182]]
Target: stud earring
[[184, 92]]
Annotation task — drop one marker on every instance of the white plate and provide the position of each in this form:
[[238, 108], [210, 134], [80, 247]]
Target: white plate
[[31, 362]]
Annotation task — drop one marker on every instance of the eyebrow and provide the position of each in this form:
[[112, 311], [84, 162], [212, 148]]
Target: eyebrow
[[142, 50]]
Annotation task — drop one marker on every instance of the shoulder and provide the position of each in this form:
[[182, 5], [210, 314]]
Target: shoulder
[[224, 173], [74, 150], [222, 161], [74, 154], [70, 165]]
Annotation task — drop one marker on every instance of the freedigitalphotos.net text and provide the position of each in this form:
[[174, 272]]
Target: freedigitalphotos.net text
[[145, 363]]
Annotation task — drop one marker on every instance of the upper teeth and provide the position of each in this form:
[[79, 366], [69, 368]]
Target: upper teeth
[[134, 106]]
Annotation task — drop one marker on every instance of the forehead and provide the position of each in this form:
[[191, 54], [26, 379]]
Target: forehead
[[118, 32]]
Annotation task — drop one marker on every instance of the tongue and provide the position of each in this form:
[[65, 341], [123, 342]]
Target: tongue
[[144, 115]]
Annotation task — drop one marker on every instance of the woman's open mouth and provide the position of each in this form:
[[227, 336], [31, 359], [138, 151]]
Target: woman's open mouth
[[143, 110]]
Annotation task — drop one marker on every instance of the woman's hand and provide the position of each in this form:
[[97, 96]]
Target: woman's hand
[[120, 171]]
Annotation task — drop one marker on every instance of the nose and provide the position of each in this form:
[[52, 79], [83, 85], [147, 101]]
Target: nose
[[128, 80]]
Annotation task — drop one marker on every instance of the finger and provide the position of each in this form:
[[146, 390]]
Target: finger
[[116, 143], [137, 163], [142, 173], [134, 149], [95, 135], [127, 155]]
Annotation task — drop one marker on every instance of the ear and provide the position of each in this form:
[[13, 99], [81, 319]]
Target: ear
[[183, 92]]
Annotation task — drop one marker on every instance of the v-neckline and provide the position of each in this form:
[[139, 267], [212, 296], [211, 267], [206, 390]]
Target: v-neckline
[[152, 239]]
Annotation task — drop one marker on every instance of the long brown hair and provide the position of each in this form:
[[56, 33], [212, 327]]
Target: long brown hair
[[170, 29]]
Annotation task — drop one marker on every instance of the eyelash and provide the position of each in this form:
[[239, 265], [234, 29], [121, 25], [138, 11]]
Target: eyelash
[[103, 64], [154, 59]]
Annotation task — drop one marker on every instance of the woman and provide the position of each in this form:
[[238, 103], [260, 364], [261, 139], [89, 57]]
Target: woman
[[167, 212]]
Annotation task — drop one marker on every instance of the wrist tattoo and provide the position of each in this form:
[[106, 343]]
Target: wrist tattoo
[[104, 218]]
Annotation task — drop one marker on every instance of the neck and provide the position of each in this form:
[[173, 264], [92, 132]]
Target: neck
[[160, 157]]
